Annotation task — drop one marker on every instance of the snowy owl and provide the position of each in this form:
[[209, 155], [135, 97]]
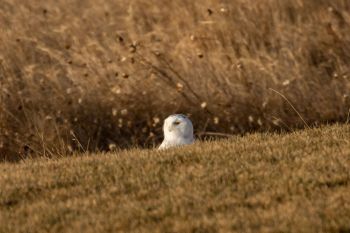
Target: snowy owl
[[178, 130]]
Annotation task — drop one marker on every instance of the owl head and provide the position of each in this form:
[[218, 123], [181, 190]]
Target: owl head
[[178, 126]]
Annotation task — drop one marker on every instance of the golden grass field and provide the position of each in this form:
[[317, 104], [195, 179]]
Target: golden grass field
[[296, 182], [85, 86], [98, 75]]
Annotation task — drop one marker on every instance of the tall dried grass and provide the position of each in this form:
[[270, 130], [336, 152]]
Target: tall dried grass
[[102, 74]]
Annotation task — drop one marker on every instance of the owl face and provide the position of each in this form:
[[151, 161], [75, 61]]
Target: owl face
[[178, 126]]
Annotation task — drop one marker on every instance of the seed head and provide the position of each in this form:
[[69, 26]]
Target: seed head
[[216, 120], [124, 112]]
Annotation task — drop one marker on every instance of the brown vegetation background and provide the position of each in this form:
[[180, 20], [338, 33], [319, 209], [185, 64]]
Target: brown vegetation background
[[99, 75]]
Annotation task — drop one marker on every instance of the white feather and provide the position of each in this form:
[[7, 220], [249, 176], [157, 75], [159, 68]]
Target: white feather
[[178, 131]]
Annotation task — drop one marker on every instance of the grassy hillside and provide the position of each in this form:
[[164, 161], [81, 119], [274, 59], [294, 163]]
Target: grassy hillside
[[298, 182], [95, 74]]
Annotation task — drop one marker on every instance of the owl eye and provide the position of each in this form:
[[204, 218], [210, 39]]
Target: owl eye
[[176, 122]]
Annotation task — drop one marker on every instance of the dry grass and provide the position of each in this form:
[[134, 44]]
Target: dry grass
[[95, 75], [296, 182]]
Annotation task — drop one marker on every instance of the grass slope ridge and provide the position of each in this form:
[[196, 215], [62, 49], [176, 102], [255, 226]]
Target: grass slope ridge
[[296, 182]]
